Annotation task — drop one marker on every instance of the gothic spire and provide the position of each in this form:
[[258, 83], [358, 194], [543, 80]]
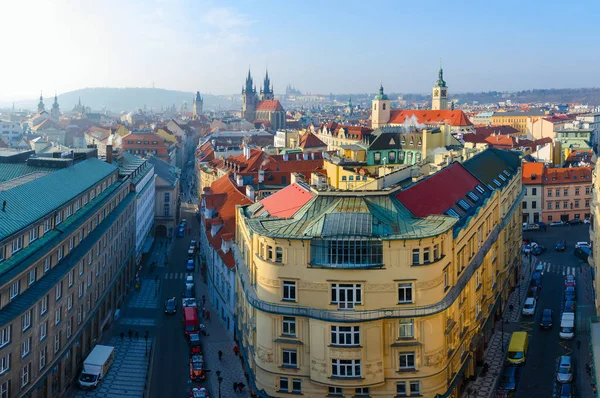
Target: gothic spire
[[440, 82]]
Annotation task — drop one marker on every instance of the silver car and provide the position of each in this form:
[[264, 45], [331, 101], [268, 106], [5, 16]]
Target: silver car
[[565, 369]]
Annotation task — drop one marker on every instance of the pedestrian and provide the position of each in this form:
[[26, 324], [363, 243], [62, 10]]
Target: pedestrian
[[137, 335], [130, 333], [203, 300], [122, 336], [204, 312], [220, 354], [241, 386], [235, 386], [236, 350], [578, 344], [208, 315], [511, 308]]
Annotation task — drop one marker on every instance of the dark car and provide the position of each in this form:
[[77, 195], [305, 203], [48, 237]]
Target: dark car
[[566, 390], [189, 292], [180, 232], [538, 250], [508, 380], [536, 279], [547, 318], [570, 293], [534, 291], [171, 306], [569, 306], [561, 245], [576, 221], [582, 253], [542, 225]]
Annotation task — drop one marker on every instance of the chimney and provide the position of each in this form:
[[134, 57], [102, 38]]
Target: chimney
[[239, 180], [261, 176], [250, 192], [109, 154]]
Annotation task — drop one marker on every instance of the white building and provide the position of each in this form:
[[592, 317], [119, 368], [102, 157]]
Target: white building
[[143, 177], [11, 132]]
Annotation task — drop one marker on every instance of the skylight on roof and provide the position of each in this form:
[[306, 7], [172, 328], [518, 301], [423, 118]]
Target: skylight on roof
[[506, 172], [473, 196], [480, 188], [502, 177], [463, 204], [490, 187], [497, 182], [452, 213]]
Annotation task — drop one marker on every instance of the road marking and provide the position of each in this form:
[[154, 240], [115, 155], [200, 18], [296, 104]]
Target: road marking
[[568, 350], [526, 326]]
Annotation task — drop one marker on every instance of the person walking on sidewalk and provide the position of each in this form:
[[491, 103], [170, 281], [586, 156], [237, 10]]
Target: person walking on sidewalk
[[208, 315], [235, 386], [220, 354], [236, 350]]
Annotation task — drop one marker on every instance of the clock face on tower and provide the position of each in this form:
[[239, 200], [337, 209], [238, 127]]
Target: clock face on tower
[[443, 93], [436, 92]]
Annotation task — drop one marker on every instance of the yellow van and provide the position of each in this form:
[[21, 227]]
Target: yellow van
[[517, 349]]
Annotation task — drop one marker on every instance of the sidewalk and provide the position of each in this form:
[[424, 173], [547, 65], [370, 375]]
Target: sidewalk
[[485, 386], [219, 340]]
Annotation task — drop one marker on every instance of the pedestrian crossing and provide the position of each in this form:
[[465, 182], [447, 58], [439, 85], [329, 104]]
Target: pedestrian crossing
[[177, 275], [559, 269]]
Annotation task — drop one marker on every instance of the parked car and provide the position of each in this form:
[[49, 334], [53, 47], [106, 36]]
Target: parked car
[[587, 221], [561, 245], [189, 292], [189, 281], [565, 369], [528, 247], [570, 293], [180, 232], [183, 222], [541, 224], [575, 221], [539, 268], [536, 279], [530, 227], [190, 266], [508, 380], [534, 291], [566, 391], [569, 306], [570, 280], [547, 319], [538, 250], [582, 244], [582, 253], [557, 223], [529, 307], [171, 306]]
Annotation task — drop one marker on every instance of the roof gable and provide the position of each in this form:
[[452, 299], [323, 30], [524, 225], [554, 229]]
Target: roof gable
[[453, 118], [286, 202], [269, 105]]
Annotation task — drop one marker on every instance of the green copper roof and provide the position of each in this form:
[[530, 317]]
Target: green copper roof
[[381, 95], [9, 171], [33, 200], [376, 215]]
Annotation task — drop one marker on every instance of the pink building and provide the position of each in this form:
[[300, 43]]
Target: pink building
[[567, 193]]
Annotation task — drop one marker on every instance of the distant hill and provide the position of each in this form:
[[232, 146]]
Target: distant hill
[[128, 99]]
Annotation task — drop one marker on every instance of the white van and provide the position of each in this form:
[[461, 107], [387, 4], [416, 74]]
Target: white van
[[96, 365], [567, 326]]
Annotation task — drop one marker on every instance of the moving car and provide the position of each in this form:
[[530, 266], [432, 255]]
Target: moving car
[[508, 380], [188, 302], [561, 245], [536, 279], [529, 307], [528, 247], [183, 222], [547, 318], [195, 344], [171, 306], [189, 292], [565, 369], [570, 293], [180, 231], [566, 391], [538, 250], [575, 221], [539, 268], [557, 223], [570, 280]]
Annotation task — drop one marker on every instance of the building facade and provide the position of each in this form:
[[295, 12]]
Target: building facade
[[382, 294], [167, 202], [519, 120], [533, 173], [66, 261], [567, 193], [145, 143]]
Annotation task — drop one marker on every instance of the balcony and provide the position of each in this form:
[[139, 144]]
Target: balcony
[[384, 313]]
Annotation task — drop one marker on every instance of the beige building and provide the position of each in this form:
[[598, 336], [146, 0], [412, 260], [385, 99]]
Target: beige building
[[167, 203], [381, 294], [66, 257]]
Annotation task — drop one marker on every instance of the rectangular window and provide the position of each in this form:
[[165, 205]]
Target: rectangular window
[[426, 257], [446, 279], [57, 342], [289, 326], [345, 335], [5, 336], [416, 256], [4, 367], [345, 368], [289, 291], [32, 276], [80, 289], [549, 193], [405, 293], [534, 191], [284, 384], [59, 253], [26, 321], [59, 217], [33, 234], [549, 205], [361, 392], [4, 390], [70, 302], [43, 330], [25, 375], [407, 360], [577, 191], [47, 264], [335, 391], [14, 289], [407, 328], [346, 295], [44, 305], [17, 244], [69, 327], [576, 203], [2, 251], [58, 290], [290, 358], [278, 255], [57, 314], [71, 243], [297, 386], [71, 277], [415, 388], [566, 192], [25, 347], [81, 268], [43, 358], [436, 252], [557, 193], [587, 203], [587, 190], [533, 204], [565, 205], [47, 225]]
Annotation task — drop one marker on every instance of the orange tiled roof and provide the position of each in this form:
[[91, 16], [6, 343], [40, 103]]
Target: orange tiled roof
[[269, 105], [567, 175], [309, 140], [453, 118], [532, 173], [286, 202]]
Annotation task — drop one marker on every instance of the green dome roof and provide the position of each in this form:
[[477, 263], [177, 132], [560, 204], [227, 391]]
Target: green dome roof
[[381, 95]]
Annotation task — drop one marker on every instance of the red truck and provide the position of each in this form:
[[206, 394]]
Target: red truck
[[190, 321]]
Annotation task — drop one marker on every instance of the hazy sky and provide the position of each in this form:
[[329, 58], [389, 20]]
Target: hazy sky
[[318, 46]]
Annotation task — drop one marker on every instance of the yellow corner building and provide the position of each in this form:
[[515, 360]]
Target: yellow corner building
[[378, 294]]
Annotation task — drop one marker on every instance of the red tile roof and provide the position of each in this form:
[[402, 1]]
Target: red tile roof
[[474, 138], [269, 105], [309, 140], [453, 118], [486, 131], [439, 192], [286, 202], [532, 173], [567, 175]]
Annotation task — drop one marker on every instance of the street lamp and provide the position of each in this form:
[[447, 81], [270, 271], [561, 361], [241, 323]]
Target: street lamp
[[219, 380]]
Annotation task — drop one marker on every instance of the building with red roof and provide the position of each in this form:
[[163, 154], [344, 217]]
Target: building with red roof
[[453, 118], [146, 142], [264, 110], [567, 193], [532, 179], [309, 142]]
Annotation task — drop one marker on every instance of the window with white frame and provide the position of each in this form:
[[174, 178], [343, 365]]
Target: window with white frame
[[79, 314], [346, 295], [17, 244], [47, 264], [426, 255], [43, 330], [59, 253], [416, 256], [345, 335], [78, 204], [89, 279], [32, 276], [43, 357], [2, 256], [405, 292], [4, 364], [284, 384], [47, 225], [80, 292], [289, 291], [71, 277], [401, 390], [57, 314], [26, 321], [436, 252], [44, 305], [57, 342], [297, 386], [71, 243], [59, 217], [25, 347], [69, 211], [289, 326], [415, 388], [70, 302], [335, 391], [362, 392], [69, 327], [14, 289], [278, 255], [407, 360], [81, 268], [25, 375], [345, 368], [58, 290], [4, 390], [289, 358], [33, 234], [407, 328]]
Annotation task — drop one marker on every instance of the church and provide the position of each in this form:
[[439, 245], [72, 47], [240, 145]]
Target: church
[[264, 110]]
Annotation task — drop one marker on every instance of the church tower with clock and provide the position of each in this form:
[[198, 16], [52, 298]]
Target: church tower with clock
[[439, 98]]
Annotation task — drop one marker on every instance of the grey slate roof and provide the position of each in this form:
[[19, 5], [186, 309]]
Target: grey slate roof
[[34, 200], [489, 165], [164, 170]]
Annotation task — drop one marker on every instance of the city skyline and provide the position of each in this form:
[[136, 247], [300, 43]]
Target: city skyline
[[318, 48]]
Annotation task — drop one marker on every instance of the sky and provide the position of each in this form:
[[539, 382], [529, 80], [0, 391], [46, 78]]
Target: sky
[[318, 46]]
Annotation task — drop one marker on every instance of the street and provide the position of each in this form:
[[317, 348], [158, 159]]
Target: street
[[545, 347]]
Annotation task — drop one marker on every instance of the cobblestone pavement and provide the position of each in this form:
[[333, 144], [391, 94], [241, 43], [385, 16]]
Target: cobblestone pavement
[[147, 297], [485, 386], [127, 375]]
